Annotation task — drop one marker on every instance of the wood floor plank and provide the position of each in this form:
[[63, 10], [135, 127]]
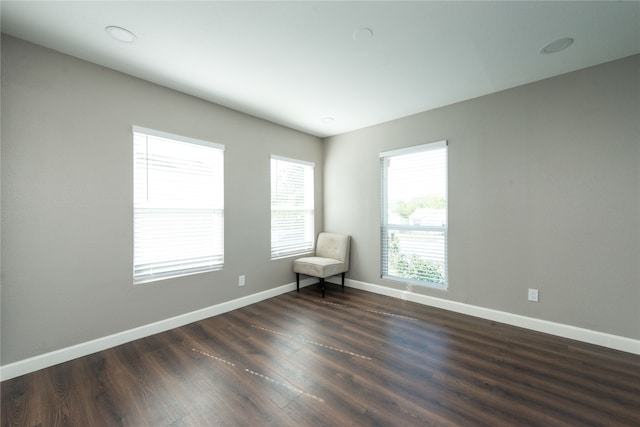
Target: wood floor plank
[[351, 359]]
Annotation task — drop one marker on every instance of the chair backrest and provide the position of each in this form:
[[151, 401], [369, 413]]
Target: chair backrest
[[335, 246]]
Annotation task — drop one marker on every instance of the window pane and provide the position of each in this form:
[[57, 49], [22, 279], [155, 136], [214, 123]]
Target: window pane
[[292, 212], [416, 255], [414, 214], [178, 207]]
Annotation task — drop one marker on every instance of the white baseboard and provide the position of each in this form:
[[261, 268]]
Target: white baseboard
[[42, 361], [567, 331]]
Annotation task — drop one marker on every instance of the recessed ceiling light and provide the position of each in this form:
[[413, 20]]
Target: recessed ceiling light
[[557, 46], [120, 34], [362, 34]]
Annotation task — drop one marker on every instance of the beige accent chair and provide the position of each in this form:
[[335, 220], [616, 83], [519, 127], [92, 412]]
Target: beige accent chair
[[331, 258]]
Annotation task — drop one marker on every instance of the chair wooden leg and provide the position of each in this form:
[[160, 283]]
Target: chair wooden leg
[[343, 280], [322, 286], [298, 282]]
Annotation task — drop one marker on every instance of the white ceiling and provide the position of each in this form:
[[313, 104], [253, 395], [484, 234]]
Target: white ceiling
[[298, 63]]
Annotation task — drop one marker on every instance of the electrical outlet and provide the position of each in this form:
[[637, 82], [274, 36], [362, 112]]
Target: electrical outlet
[[241, 280], [533, 295]]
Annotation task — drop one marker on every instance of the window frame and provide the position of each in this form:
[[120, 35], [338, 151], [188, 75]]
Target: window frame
[[386, 227], [307, 245], [152, 269]]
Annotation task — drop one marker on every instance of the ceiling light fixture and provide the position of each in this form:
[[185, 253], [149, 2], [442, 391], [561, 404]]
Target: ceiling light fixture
[[362, 34], [121, 34], [557, 46]]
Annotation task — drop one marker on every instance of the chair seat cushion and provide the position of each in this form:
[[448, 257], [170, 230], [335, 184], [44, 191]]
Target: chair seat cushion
[[319, 266]]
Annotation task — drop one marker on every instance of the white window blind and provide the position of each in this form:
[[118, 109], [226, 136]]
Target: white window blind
[[414, 214], [292, 216], [178, 202]]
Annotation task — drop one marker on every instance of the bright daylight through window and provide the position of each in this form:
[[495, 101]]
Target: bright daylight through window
[[178, 202], [414, 214], [292, 217]]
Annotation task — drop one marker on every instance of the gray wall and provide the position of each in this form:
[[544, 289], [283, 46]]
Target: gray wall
[[544, 192], [67, 200]]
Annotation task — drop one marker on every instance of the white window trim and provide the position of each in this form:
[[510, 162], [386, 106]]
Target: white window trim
[[384, 226], [140, 279], [415, 149], [288, 254], [289, 159], [167, 135]]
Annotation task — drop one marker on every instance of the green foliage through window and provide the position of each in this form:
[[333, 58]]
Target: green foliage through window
[[412, 266]]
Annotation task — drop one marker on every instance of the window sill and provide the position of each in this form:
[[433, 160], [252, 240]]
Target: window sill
[[296, 255]]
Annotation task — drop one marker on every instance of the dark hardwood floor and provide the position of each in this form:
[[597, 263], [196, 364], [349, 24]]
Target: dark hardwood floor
[[350, 359]]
